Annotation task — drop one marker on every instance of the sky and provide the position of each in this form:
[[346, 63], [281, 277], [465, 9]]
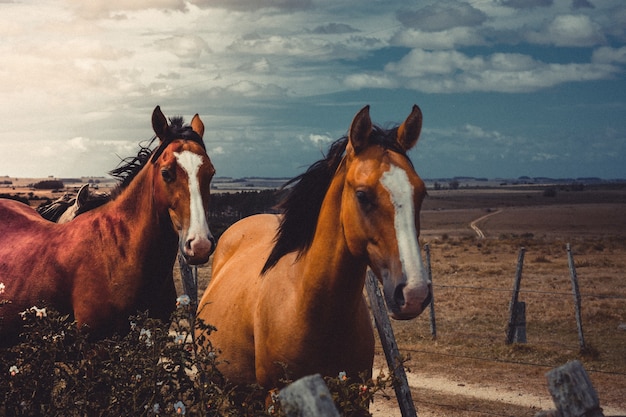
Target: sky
[[508, 88]]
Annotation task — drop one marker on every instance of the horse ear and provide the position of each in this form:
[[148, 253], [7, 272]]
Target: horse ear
[[83, 195], [409, 131], [360, 129], [197, 125], [159, 124]]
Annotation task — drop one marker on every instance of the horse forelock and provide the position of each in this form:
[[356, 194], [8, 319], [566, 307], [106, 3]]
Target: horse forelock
[[301, 207]]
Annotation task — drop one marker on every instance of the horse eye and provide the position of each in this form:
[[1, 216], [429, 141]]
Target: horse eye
[[167, 175], [363, 198]]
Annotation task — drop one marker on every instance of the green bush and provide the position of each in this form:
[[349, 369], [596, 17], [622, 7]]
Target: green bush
[[154, 370]]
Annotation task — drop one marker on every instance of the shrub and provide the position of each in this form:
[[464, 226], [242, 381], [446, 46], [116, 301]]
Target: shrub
[[48, 185], [154, 370]]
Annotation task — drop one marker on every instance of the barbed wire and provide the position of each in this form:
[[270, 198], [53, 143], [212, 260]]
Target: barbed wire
[[569, 294]]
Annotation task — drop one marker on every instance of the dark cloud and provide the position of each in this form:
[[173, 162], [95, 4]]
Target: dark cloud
[[334, 28], [582, 4], [441, 16], [247, 5], [527, 4]]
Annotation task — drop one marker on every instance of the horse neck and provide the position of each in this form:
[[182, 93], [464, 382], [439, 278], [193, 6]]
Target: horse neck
[[332, 276], [142, 216]]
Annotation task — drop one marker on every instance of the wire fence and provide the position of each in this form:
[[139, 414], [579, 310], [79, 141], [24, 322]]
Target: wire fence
[[555, 297]]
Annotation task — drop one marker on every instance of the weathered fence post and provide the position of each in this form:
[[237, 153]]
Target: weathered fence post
[[513, 308], [308, 397], [189, 277], [433, 324], [390, 347], [576, 294], [572, 391]]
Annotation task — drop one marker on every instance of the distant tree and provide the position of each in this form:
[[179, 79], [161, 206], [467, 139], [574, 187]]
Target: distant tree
[[48, 185], [549, 192], [454, 184]]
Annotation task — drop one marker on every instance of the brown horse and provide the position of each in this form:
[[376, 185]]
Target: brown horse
[[116, 259], [289, 289]]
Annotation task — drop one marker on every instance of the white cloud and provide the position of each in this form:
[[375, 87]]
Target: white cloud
[[452, 71], [447, 39], [569, 30], [96, 9], [607, 55], [442, 15], [320, 141]]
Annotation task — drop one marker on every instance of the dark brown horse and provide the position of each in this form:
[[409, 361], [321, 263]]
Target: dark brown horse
[[289, 289], [116, 259]]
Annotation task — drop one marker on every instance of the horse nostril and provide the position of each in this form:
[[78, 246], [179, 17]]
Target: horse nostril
[[398, 295]]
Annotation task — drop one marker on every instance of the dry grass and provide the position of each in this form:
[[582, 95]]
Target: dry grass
[[473, 279]]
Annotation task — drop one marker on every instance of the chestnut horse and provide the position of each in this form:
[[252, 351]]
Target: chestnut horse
[[288, 290], [116, 259]]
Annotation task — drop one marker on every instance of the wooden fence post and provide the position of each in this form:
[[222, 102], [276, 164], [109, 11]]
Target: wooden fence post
[[513, 308], [433, 324], [390, 347], [572, 391], [189, 277], [576, 294], [308, 397]]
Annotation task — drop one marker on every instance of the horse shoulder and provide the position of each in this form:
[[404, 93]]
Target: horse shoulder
[[250, 238]]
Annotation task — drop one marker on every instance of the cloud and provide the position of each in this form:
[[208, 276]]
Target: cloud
[[369, 80], [246, 88], [320, 141], [569, 30], [185, 46], [582, 4], [441, 16], [96, 9], [334, 28], [527, 4], [452, 71], [607, 55], [447, 39], [248, 5]]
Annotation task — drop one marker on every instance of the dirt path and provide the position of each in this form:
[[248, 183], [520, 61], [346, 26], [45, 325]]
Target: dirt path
[[433, 389], [474, 223]]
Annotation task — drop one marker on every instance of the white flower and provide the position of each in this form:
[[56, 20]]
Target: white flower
[[2, 287], [39, 312], [14, 370], [146, 335], [179, 407], [183, 300]]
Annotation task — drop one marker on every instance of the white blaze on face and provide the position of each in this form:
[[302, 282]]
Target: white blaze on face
[[190, 162], [397, 183]]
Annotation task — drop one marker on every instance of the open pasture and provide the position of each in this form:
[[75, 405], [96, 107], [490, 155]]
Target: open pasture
[[469, 370]]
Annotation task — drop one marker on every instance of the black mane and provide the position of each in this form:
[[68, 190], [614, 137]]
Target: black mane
[[302, 204], [53, 211]]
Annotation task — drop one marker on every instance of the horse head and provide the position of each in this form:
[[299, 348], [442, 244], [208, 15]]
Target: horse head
[[183, 173], [381, 202]]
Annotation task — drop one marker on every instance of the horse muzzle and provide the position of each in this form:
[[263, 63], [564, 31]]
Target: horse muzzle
[[404, 301], [197, 249]]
